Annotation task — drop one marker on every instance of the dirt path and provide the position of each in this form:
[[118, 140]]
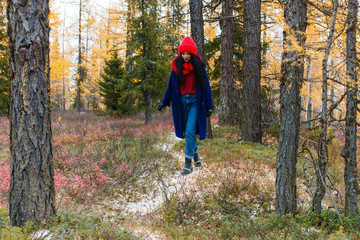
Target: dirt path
[[138, 213]]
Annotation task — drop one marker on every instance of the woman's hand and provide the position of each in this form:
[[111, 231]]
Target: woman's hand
[[208, 112], [160, 107]]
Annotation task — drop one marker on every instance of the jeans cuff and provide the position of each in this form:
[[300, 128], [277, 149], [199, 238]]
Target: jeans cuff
[[189, 156]]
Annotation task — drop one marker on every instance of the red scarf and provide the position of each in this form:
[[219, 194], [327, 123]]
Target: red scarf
[[187, 67]]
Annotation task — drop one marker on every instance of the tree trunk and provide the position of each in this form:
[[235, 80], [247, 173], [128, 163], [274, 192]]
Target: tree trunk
[[197, 26], [80, 68], [148, 104], [32, 191], [227, 82], [322, 152], [63, 79], [309, 99], [129, 51], [332, 90], [177, 21], [197, 33], [292, 69], [349, 154], [251, 126]]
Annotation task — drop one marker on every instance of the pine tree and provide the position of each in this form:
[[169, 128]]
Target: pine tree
[[350, 149], [175, 22], [227, 83], [251, 125], [213, 54], [32, 187], [197, 33], [292, 69], [150, 60], [115, 87]]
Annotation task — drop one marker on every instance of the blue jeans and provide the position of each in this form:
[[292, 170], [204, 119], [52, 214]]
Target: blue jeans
[[189, 122]]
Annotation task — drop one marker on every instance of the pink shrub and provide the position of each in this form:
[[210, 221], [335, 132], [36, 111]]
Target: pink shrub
[[214, 120], [4, 160], [82, 167], [5, 182]]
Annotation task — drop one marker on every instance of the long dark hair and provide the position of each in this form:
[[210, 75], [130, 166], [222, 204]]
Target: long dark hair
[[199, 70]]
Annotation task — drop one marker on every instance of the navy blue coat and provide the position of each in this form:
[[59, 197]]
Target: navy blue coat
[[204, 102]]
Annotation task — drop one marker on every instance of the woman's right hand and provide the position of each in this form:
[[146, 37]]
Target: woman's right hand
[[160, 107]]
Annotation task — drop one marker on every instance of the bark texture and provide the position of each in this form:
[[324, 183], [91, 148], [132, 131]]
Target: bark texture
[[349, 154], [309, 97], [197, 25], [251, 124], [129, 51], [197, 34], [81, 70], [227, 82], [292, 74], [322, 152], [32, 192]]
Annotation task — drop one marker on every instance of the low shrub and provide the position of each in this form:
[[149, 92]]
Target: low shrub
[[67, 224]]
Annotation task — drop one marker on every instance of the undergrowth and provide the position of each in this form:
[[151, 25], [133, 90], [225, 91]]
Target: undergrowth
[[67, 224], [235, 198]]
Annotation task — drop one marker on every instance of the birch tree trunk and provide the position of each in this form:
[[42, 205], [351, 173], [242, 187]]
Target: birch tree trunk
[[292, 77], [227, 82], [349, 154], [32, 191], [251, 124], [322, 152], [197, 33]]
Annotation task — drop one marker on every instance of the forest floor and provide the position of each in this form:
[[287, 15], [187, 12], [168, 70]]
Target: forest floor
[[166, 188], [138, 213], [120, 179]]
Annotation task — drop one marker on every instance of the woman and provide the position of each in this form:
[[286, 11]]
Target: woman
[[190, 93]]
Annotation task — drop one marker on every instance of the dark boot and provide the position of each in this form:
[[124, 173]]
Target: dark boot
[[197, 160], [188, 168]]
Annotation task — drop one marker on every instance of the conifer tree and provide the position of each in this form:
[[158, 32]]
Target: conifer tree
[[59, 65], [292, 69], [175, 22], [150, 60], [350, 149], [251, 124], [216, 70], [115, 87], [227, 83], [32, 186]]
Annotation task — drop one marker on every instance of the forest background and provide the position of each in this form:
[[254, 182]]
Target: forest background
[[115, 60]]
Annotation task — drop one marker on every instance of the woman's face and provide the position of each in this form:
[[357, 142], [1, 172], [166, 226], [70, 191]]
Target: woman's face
[[186, 56]]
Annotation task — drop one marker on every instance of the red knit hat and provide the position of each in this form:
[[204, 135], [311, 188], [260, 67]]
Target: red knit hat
[[188, 45]]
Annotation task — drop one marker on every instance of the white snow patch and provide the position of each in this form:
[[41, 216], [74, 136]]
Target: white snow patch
[[43, 235]]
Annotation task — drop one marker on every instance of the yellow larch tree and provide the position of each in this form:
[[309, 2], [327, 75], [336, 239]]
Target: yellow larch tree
[[59, 66]]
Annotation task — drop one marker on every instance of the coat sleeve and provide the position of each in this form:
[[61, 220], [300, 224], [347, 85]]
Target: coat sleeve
[[168, 93], [208, 94]]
